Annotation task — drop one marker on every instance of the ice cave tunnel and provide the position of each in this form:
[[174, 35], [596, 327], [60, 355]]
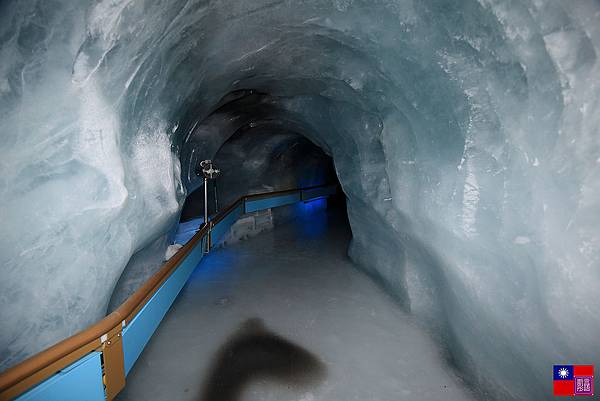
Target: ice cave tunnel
[[458, 260]]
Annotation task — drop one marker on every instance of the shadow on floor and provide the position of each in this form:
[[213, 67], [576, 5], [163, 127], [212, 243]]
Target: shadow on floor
[[253, 352]]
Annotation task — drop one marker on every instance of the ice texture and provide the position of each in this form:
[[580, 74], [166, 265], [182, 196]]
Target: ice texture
[[464, 134], [140, 268]]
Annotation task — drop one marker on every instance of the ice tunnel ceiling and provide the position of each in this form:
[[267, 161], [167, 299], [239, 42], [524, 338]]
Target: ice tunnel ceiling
[[464, 135]]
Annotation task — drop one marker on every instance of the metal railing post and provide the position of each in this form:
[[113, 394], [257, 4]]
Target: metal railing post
[[205, 201], [209, 172], [216, 196]]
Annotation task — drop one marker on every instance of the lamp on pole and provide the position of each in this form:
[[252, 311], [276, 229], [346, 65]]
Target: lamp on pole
[[209, 172]]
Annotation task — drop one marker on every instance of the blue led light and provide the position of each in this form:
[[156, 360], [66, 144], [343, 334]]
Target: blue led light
[[312, 205]]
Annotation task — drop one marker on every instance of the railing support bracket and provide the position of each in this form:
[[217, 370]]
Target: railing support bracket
[[113, 363]]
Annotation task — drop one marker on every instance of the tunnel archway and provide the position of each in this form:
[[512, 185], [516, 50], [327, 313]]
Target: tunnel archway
[[464, 135], [263, 157], [259, 147]]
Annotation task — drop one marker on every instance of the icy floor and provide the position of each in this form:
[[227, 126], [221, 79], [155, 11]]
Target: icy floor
[[285, 316]]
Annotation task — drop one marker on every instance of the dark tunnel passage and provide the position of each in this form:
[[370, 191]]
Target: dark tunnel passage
[[259, 150], [263, 154], [262, 160], [464, 136]]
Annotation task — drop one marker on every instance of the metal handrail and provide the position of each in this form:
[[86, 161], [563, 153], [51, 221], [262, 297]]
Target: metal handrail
[[35, 369]]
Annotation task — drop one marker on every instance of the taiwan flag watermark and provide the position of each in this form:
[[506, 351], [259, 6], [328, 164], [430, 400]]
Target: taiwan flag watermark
[[571, 380]]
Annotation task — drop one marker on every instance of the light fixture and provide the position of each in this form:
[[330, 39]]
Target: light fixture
[[209, 172]]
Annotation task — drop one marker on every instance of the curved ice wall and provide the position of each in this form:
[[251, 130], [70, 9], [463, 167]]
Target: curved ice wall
[[464, 134]]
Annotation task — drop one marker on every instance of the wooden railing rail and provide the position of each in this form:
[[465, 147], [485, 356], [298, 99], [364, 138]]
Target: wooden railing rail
[[97, 337]]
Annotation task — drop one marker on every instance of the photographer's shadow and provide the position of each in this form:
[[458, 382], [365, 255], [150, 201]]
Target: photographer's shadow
[[253, 352]]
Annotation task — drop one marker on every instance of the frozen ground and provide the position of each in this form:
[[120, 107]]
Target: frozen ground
[[286, 316]]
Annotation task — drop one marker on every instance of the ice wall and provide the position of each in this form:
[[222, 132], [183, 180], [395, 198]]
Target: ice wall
[[464, 133], [83, 186]]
